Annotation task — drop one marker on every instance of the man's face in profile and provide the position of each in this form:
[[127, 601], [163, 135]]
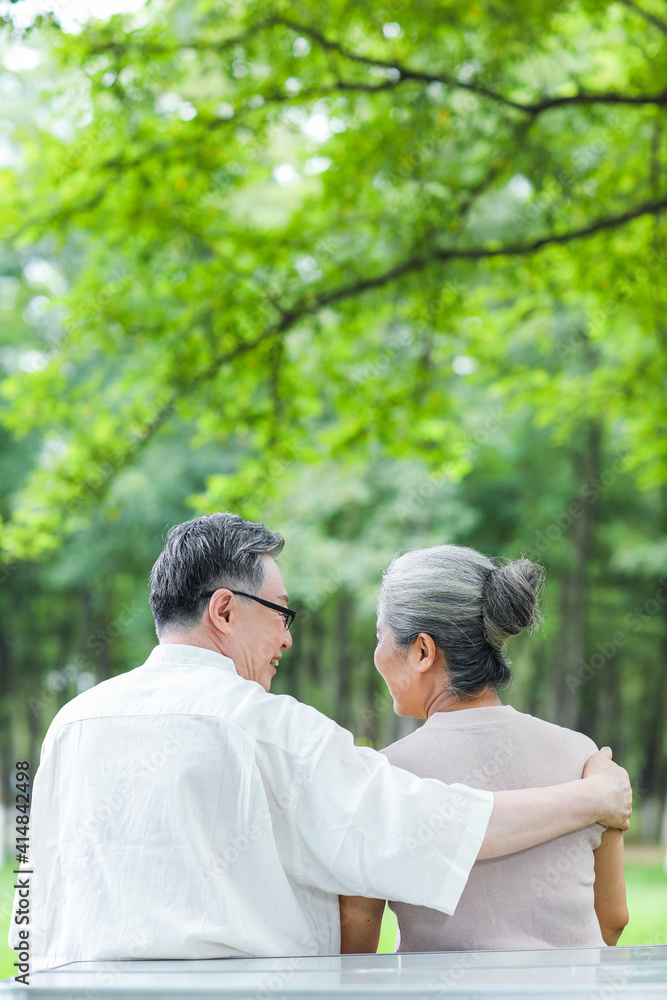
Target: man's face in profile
[[262, 635]]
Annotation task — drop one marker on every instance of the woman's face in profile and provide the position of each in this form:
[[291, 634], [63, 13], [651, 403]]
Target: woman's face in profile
[[394, 666]]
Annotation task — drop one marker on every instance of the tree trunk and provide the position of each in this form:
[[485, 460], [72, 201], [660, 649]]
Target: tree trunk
[[571, 673], [313, 641], [606, 723], [538, 687], [653, 775]]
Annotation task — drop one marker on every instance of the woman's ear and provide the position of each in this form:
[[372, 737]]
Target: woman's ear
[[426, 652]]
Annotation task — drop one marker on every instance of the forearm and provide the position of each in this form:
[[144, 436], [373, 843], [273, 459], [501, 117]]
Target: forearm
[[530, 816], [611, 906]]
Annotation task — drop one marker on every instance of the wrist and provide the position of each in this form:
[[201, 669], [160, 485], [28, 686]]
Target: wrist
[[594, 806]]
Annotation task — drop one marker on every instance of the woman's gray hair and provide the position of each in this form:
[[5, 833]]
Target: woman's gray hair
[[467, 603], [218, 550]]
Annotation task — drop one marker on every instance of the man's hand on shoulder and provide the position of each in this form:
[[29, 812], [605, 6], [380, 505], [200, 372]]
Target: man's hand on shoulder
[[614, 789]]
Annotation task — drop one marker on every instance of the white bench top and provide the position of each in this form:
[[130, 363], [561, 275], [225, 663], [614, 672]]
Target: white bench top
[[622, 973]]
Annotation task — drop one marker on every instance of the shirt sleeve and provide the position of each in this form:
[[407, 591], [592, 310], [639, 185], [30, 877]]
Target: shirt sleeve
[[364, 827]]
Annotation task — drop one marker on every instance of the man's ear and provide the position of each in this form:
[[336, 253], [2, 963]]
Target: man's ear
[[220, 610]]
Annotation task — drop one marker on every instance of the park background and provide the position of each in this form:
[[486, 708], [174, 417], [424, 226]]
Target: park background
[[381, 275]]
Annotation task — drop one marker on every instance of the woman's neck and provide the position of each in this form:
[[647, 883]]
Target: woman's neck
[[447, 701]]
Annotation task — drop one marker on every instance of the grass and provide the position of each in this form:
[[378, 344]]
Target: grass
[[7, 956], [388, 932], [647, 897], [647, 902]]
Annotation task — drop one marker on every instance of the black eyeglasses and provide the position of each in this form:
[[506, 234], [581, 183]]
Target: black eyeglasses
[[287, 613]]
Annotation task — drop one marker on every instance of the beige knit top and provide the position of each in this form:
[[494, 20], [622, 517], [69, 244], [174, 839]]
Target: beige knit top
[[538, 898]]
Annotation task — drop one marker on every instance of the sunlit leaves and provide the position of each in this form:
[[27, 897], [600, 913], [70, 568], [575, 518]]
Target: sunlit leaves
[[281, 229]]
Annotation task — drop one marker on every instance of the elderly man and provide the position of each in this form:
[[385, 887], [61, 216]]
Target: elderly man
[[180, 810]]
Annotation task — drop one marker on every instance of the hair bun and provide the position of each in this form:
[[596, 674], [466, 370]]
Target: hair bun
[[510, 600]]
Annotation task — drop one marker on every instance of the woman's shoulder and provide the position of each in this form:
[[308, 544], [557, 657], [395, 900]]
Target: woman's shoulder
[[401, 753], [524, 732], [556, 735]]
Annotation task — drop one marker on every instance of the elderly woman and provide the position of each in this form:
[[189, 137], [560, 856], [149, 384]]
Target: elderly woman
[[443, 616]]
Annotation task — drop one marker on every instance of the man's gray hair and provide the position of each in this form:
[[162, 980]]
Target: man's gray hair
[[218, 550], [467, 603]]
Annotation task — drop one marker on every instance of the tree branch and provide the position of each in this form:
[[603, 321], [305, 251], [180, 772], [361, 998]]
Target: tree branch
[[611, 222], [313, 304], [406, 73], [651, 18], [610, 97], [402, 73], [481, 253]]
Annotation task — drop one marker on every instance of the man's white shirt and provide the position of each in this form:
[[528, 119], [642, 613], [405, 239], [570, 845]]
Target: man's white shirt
[[181, 811]]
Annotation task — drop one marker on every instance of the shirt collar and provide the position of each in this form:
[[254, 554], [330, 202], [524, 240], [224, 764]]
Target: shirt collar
[[179, 654], [472, 718]]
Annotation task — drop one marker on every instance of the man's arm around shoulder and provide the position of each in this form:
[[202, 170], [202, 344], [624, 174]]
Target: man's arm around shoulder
[[530, 816]]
